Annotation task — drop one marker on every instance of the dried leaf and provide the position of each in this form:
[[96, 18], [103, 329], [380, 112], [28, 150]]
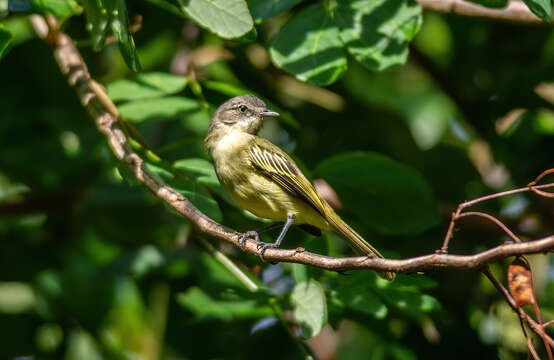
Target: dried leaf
[[520, 282]]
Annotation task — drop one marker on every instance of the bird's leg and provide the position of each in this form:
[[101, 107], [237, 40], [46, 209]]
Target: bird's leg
[[263, 247], [255, 234]]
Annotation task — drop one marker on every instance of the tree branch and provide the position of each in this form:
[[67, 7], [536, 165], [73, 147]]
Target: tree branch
[[515, 12], [536, 327], [104, 113]]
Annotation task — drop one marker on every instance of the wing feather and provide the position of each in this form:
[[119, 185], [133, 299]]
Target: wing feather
[[276, 165]]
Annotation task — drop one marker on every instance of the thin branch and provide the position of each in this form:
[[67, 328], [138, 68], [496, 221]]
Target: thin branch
[[515, 12], [494, 220], [104, 113], [536, 327], [458, 213]]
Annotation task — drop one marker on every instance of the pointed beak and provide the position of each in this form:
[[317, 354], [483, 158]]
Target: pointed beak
[[269, 113]]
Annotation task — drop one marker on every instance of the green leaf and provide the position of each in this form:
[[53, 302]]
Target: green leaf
[[61, 8], [120, 28], [97, 21], [309, 47], [491, 3], [146, 85], [264, 9], [6, 39], [310, 307], [81, 345], [199, 196], [167, 107], [409, 300], [356, 292], [201, 304], [16, 297], [204, 172], [226, 18], [377, 32], [541, 8], [388, 196]]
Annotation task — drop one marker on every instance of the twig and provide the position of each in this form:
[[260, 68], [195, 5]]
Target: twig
[[514, 12], [537, 328], [458, 213], [104, 113], [494, 220]]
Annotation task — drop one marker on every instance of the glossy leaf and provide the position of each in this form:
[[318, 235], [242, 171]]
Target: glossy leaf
[[409, 300], [388, 196], [226, 18], [6, 39], [491, 3], [98, 18], [309, 47], [264, 9], [61, 8], [541, 8], [120, 28], [204, 172], [199, 196], [310, 307], [356, 293], [166, 107], [377, 32], [146, 85], [204, 306]]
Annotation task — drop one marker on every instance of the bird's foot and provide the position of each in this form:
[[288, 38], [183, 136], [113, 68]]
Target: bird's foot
[[248, 235], [262, 247]]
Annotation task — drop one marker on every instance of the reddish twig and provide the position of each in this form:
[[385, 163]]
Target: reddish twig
[[536, 327], [458, 213]]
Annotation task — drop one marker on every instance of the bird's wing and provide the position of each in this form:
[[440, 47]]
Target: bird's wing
[[275, 164]]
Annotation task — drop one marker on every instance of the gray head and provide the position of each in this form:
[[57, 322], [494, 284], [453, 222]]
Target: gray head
[[242, 113]]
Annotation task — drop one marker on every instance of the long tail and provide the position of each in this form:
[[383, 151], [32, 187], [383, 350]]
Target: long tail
[[355, 240]]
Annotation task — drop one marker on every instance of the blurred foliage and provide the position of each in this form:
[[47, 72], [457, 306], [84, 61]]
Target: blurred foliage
[[95, 267]]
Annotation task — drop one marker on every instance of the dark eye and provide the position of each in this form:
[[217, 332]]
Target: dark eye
[[243, 108]]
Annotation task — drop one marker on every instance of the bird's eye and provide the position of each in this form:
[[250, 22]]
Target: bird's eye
[[243, 108]]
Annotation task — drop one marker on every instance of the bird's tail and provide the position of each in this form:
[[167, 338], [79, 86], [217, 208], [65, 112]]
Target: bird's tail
[[355, 240]]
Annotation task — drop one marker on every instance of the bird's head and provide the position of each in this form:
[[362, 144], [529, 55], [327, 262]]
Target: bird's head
[[243, 113]]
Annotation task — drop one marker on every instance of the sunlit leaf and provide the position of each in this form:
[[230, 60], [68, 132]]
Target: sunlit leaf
[[60, 8], [199, 196], [409, 300], [388, 196], [356, 293], [120, 27], [226, 18], [491, 3], [97, 21], [202, 305], [6, 39], [156, 108], [310, 307], [309, 47], [82, 346], [264, 9], [377, 32], [146, 85], [541, 8], [16, 297]]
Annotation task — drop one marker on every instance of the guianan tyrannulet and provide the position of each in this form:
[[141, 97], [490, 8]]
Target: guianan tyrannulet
[[264, 180]]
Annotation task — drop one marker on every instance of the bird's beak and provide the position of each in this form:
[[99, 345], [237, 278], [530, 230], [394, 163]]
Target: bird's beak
[[269, 113]]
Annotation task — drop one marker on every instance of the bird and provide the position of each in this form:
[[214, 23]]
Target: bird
[[263, 179]]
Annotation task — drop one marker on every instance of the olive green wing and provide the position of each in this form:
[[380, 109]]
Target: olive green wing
[[275, 164]]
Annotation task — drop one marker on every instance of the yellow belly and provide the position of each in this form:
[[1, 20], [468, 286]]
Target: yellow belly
[[255, 192]]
